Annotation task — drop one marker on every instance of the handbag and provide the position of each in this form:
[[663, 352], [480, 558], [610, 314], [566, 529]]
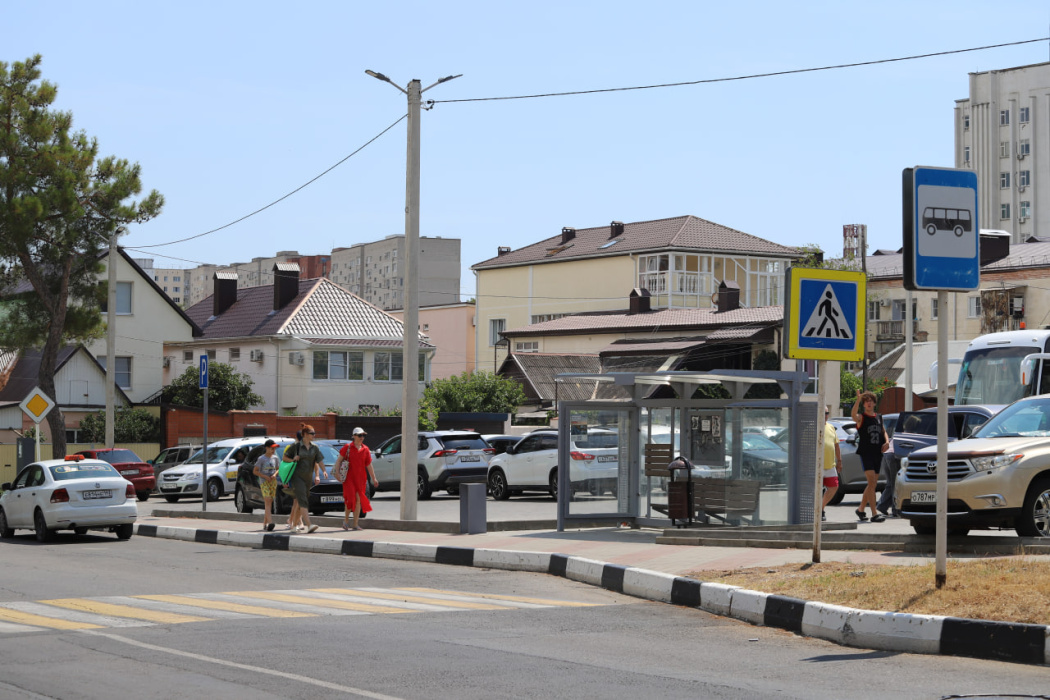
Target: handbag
[[285, 471]]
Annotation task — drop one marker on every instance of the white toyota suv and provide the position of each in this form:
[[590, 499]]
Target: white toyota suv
[[532, 464], [446, 459], [224, 458]]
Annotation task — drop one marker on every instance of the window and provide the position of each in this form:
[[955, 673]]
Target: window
[[973, 307], [422, 367], [966, 121], [426, 326], [496, 327], [211, 354], [339, 365], [1004, 211], [1004, 117], [122, 374], [187, 356], [123, 297], [933, 309], [1004, 149], [1024, 147], [176, 278], [1022, 115], [527, 346], [873, 311], [388, 367], [235, 354], [966, 154], [1024, 209], [1004, 181], [175, 289], [541, 318]]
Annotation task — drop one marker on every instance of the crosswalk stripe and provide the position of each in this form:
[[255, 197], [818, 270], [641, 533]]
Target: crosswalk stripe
[[308, 610], [89, 605], [12, 628], [331, 594], [382, 594], [73, 615], [215, 606], [296, 599], [180, 608], [523, 600], [8, 615]]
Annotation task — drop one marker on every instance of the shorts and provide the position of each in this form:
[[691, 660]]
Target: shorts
[[302, 492], [269, 488], [831, 482], [872, 461]]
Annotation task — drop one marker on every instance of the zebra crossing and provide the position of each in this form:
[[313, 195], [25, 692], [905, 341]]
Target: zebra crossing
[[65, 614]]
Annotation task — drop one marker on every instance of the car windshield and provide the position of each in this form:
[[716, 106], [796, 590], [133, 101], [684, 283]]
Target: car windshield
[[992, 375], [215, 454], [462, 442], [75, 470], [1024, 418], [753, 441], [596, 440], [118, 456]]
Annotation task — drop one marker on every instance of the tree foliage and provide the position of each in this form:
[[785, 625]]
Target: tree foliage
[[477, 392], [59, 204], [129, 425], [227, 390]]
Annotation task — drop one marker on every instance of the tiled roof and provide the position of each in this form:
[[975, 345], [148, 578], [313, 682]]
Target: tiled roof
[[23, 374], [1034, 254], [664, 320], [678, 233], [362, 342], [540, 369]]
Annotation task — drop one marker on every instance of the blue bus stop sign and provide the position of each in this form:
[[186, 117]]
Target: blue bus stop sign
[[204, 372], [941, 234]]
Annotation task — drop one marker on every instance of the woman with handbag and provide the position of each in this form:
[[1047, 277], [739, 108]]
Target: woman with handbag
[[871, 443], [358, 460], [309, 465]]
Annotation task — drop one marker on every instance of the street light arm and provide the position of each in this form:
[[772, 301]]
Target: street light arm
[[443, 80], [380, 76]]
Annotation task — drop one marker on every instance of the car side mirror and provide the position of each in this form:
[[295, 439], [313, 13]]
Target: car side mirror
[[6, 487], [510, 450], [852, 439]]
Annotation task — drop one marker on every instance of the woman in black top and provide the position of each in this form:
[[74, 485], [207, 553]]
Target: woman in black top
[[871, 443]]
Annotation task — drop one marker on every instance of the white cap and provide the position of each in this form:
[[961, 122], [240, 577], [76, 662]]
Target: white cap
[[360, 431]]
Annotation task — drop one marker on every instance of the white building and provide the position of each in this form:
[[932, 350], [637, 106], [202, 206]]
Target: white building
[[997, 135]]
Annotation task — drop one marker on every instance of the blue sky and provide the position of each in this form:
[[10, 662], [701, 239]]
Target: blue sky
[[230, 105]]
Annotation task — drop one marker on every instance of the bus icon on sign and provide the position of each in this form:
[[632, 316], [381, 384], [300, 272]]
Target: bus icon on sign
[[957, 221]]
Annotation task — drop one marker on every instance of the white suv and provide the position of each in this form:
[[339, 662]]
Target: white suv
[[446, 459], [224, 458], [532, 464]]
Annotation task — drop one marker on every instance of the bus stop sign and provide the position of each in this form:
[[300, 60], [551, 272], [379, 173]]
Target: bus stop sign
[[940, 224]]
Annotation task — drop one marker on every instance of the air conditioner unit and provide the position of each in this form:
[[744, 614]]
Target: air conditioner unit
[[1022, 219], [1021, 188], [884, 302], [1020, 156], [256, 356], [167, 361], [1017, 306], [296, 358]]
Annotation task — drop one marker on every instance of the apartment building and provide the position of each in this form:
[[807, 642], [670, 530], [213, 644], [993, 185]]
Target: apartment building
[[376, 271], [171, 280], [997, 135]]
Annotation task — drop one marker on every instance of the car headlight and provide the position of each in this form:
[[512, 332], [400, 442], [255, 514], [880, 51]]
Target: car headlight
[[767, 464], [992, 462]]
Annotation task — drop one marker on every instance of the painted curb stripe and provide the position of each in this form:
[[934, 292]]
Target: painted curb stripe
[[357, 548], [146, 530], [559, 562], [1002, 641], [784, 612], [275, 542], [685, 591], [456, 556], [206, 536], [612, 577]]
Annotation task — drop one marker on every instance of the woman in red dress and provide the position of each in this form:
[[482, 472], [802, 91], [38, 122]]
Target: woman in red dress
[[359, 469]]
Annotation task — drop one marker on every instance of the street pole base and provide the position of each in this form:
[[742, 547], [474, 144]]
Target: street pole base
[[940, 580]]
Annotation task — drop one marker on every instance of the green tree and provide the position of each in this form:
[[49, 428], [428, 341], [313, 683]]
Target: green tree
[[227, 390], [129, 425], [478, 392], [59, 203]]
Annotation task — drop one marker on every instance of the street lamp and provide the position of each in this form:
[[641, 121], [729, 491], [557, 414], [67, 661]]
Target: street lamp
[[410, 339]]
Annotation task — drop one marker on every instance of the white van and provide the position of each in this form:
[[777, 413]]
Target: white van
[[224, 457]]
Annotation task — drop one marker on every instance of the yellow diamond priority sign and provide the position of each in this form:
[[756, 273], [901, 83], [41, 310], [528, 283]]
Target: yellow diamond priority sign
[[37, 405]]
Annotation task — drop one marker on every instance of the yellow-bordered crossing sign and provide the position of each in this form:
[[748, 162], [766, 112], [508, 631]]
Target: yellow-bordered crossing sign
[[824, 314]]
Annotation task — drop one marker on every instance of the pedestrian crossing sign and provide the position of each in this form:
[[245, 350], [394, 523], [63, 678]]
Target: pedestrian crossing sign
[[823, 317]]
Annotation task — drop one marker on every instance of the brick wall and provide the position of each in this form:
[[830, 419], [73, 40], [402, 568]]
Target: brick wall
[[186, 425]]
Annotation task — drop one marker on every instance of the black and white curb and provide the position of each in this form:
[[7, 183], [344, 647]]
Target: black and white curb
[[901, 632]]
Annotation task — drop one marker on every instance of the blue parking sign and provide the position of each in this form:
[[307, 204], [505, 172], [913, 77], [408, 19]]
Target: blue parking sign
[[204, 372]]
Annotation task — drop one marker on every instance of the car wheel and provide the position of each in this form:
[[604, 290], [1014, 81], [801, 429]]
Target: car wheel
[[125, 531], [370, 490], [214, 490], [280, 504], [498, 485], [5, 531], [422, 485], [921, 529], [142, 495], [552, 483], [42, 533], [837, 498], [80, 531], [453, 490], [240, 501], [171, 499], [1034, 520]]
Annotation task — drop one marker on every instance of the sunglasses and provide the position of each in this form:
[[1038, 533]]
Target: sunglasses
[[310, 432]]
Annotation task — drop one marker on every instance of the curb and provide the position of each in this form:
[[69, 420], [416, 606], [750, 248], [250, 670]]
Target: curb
[[884, 631]]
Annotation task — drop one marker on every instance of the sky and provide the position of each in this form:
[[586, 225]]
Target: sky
[[231, 105]]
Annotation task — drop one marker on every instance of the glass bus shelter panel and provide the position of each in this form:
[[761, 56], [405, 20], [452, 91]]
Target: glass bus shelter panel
[[600, 461], [656, 426]]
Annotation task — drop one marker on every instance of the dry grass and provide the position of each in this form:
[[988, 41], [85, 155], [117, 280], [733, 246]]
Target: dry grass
[[1009, 589]]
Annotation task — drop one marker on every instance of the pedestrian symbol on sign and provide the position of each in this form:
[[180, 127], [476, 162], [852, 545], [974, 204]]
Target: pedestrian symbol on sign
[[827, 319]]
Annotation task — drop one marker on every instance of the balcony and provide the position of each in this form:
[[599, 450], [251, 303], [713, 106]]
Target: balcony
[[893, 330]]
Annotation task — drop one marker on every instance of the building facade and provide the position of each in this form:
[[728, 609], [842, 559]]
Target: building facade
[[450, 328], [376, 271]]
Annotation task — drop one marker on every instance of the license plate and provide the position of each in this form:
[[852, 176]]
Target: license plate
[[100, 493], [470, 458], [923, 496], [169, 488], [129, 472], [331, 499], [607, 458]]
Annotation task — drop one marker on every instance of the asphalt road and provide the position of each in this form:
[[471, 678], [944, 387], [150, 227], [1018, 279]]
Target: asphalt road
[[349, 627]]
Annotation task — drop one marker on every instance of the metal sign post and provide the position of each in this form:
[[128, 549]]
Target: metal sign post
[[37, 405], [203, 384], [942, 254], [823, 320]]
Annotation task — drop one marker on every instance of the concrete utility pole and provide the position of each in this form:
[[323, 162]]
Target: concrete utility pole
[[111, 336], [410, 339]]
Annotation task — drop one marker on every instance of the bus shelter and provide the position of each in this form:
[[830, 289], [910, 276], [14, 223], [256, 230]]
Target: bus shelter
[[752, 459]]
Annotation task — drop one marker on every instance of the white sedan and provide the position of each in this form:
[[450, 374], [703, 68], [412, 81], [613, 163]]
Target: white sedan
[[75, 494]]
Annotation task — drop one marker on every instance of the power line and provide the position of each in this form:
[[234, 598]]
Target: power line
[[743, 77], [281, 199]]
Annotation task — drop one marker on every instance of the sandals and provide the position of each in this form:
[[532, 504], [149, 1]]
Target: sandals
[[346, 525], [861, 515]]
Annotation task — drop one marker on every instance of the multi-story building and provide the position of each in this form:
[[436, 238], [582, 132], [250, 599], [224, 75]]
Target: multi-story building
[[256, 273], [375, 271], [172, 281], [997, 135], [450, 328]]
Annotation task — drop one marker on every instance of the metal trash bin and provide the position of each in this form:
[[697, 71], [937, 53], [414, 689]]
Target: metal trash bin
[[680, 491], [473, 519]]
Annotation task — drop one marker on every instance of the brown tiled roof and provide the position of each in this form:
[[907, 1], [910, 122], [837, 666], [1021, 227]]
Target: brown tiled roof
[[678, 233], [23, 373], [664, 320]]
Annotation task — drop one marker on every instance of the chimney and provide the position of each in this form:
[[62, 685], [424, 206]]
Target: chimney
[[615, 229], [640, 301], [567, 234], [285, 284], [502, 250], [728, 296], [224, 293], [993, 245]]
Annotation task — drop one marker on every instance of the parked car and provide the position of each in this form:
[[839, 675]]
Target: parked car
[[130, 466], [998, 477], [761, 459], [500, 443], [223, 459], [324, 496], [74, 493], [446, 459], [767, 431], [171, 457], [851, 480], [531, 464]]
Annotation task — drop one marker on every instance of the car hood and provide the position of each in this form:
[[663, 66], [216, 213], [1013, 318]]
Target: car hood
[[982, 446], [769, 455]]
